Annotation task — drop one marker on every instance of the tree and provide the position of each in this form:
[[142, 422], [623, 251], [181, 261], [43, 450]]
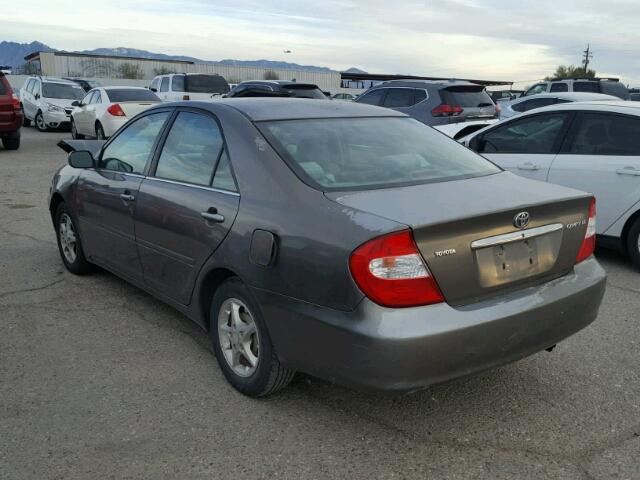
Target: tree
[[270, 75], [163, 70], [130, 70], [571, 71]]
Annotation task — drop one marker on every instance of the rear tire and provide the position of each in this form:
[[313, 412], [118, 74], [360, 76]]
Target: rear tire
[[69, 243], [100, 132], [11, 142], [633, 243], [242, 344], [40, 124], [74, 131]]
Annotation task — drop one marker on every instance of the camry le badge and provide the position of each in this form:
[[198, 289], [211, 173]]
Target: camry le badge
[[521, 220]]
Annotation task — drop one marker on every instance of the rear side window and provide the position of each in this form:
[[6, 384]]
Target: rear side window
[[366, 153], [602, 134], [466, 96], [420, 95], [164, 86], [131, 149], [373, 98], [177, 83], [559, 87], [399, 97], [223, 177], [132, 95], [191, 150], [592, 87], [537, 103], [535, 134]]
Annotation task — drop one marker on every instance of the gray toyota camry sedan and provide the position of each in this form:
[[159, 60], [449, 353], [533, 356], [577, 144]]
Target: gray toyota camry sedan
[[346, 241]]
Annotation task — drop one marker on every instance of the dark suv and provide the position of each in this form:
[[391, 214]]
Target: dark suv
[[608, 86], [10, 115], [276, 88], [433, 102]]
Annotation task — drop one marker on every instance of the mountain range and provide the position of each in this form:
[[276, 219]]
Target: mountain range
[[12, 54]]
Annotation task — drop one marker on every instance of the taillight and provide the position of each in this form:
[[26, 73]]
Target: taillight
[[589, 243], [15, 101], [390, 271], [116, 110], [445, 110]]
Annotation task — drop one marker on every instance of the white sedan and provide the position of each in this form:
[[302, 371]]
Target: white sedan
[[590, 146], [105, 109]]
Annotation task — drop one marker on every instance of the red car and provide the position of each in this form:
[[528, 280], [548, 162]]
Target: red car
[[10, 116]]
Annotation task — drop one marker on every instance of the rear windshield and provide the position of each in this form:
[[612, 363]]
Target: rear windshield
[[205, 84], [62, 90], [616, 89], [367, 153], [304, 91], [131, 95], [466, 96]]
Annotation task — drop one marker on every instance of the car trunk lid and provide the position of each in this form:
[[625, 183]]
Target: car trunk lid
[[465, 230], [131, 109], [473, 99]]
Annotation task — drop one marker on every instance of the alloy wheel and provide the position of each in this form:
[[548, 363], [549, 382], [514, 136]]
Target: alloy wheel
[[68, 240], [40, 122], [238, 337]]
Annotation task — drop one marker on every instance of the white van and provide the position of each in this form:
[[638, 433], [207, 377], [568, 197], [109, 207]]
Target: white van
[[188, 86]]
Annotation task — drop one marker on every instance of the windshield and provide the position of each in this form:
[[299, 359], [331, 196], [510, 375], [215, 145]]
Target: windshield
[[62, 90], [466, 96], [205, 84], [132, 95], [367, 153]]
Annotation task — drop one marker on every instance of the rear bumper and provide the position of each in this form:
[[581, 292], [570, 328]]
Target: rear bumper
[[377, 348], [10, 126]]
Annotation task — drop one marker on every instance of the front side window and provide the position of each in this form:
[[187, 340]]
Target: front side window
[[164, 86], [29, 86], [62, 90], [373, 98], [365, 153], [602, 134], [559, 87], [130, 151], [399, 97], [154, 84], [535, 134], [191, 150]]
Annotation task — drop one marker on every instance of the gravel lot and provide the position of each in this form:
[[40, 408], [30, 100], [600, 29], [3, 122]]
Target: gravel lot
[[100, 380]]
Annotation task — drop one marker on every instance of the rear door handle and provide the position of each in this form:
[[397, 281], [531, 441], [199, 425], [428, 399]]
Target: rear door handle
[[628, 171], [127, 197], [528, 166], [212, 215]]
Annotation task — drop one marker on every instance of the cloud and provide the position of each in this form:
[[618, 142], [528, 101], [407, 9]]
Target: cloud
[[466, 38]]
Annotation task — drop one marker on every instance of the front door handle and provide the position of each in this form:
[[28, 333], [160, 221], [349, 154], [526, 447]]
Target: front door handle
[[127, 197], [212, 215], [628, 171], [528, 166]]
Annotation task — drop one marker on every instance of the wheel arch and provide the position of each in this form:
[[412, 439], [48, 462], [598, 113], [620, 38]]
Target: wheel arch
[[56, 200], [207, 289], [627, 227]]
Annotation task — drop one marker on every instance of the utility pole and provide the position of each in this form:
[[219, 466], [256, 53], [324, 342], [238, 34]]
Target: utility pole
[[588, 55]]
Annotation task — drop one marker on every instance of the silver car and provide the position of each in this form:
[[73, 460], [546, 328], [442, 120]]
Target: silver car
[[590, 146], [531, 102]]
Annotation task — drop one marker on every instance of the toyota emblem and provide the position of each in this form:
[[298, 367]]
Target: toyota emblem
[[521, 220]]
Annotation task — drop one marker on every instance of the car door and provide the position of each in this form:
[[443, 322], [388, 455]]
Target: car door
[[80, 114], [602, 156], [186, 208], [401, 99], [107, 195], [164, 89], [526, 145], [26, 97], [91, 113], [30, 100]]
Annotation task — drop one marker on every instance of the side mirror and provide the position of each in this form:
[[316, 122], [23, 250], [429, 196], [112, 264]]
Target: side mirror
[[76, 103], [153, 89], [37, 96], [81, 159]]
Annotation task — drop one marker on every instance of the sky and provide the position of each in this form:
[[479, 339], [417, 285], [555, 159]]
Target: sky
[[497, 40]]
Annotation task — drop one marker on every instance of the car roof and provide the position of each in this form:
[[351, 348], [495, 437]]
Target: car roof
[[124, 87], [618, 106], [58, 80], [260, 108], [573, 96], [424, 83]]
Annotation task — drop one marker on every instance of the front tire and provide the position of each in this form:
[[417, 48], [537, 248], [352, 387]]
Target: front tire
[[40, 123], [74, 131], [100, 132], [11, 142], [241, 342], [69, 243], [633, 243]]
